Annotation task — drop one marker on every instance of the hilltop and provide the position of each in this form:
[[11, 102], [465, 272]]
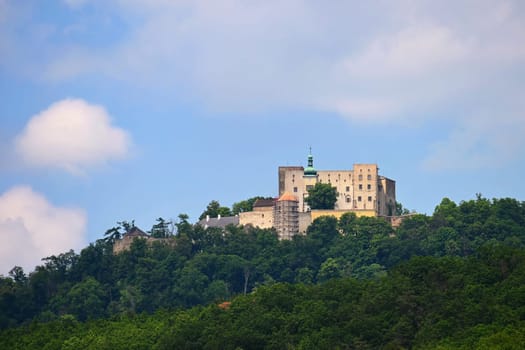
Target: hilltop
[[459, 244]]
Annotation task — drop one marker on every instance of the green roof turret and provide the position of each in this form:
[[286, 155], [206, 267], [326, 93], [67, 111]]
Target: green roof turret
[[310, 170]]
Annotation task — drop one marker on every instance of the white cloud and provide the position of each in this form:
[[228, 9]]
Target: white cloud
[[410, 52], [31, 228], [375, 62], [72, 135]]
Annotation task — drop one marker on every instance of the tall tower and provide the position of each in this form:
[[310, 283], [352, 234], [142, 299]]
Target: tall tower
[[309, 179], [286, 216]]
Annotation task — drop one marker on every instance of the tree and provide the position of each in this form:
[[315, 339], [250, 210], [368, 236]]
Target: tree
[[113, 234], [322, 196], [214, 209], [18, 275], [400, 210], [86, 299], [161, 229]]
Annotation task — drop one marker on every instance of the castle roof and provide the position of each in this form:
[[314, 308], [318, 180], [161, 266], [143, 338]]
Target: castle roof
[[219, 221], [287, 196], [263, 203], [136, 232], [310, 170]]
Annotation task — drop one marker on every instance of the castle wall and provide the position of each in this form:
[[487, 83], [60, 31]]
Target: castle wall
[[338, 213], [305, 219], [359, 189], [386, 197], [262, 218], [125, 242], [343, 181], [291, 179], [365, 187]]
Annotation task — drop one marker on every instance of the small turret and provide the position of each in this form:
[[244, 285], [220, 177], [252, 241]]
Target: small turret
[[310, 170]]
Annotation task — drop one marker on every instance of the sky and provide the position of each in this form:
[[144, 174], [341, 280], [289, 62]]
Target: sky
[[116, 110]]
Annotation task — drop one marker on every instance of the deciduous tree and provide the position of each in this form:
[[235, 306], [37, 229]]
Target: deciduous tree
[[322, 196]]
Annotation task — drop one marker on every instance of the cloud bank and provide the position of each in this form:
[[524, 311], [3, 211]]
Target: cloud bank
[[71, 135], [31, 228], [369, 62]]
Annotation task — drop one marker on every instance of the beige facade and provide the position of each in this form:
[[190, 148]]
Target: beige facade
[[260, 217], [361, 188], [314, 214], [305, 219]]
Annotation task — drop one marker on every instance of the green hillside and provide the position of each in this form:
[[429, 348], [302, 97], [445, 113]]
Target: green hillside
[[451, 280]]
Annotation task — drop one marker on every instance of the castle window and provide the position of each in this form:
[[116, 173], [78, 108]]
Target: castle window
[[359, 198], [360, 177], [347, 199], [369, 187], [309, 187], [369, 177], [369, 198], [360, 186], [347, 188], [295, 189]]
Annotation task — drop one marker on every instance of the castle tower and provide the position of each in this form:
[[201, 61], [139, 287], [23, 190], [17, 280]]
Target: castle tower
[[286, 216], [309, 171], [309, 180]]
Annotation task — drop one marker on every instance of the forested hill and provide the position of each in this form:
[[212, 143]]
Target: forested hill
[[453, 279]]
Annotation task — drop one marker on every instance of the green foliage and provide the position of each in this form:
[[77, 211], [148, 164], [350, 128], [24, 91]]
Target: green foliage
[[450, 280], [116, 232], [424, 303], [86, 299], [214, 209], [245, 205], [162, 229], [322, 196], [400, 210]]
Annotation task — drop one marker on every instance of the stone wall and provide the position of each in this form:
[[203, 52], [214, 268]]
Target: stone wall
[[263, 218], [125, 242], [338, 213]]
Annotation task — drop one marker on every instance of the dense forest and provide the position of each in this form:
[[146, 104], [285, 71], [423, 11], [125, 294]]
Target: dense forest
[[451, 280]]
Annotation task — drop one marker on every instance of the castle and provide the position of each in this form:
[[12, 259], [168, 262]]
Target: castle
[[360, 190]]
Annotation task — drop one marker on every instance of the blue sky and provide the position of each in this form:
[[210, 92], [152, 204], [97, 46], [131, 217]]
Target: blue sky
[[118, 110]]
